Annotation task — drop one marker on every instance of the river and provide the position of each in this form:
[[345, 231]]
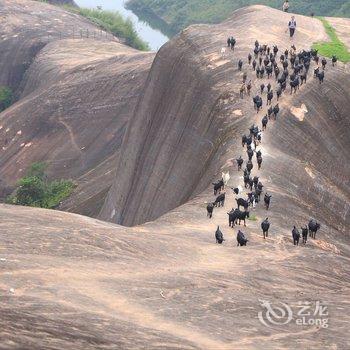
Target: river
[[153, 37]]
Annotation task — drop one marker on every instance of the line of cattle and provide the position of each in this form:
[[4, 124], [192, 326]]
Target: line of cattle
[[299, 64]]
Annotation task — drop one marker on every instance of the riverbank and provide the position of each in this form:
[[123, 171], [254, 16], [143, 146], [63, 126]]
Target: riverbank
[[146, 14], [114, 23]]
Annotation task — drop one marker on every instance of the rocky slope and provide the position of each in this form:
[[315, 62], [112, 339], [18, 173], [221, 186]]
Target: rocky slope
[[181, 138], [72, 281], [68, 280], [75, 99], [26, 27]]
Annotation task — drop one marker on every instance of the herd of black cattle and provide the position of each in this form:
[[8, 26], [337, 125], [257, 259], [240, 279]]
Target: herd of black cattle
[[264, 61]]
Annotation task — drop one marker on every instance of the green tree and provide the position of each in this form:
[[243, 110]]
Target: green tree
[[5, 97], [31, 191], [36, 191]]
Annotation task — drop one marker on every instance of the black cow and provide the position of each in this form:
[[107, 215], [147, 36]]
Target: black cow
[[324, 63], [250, 153], [267, 200], [262, 87], [256, 52], [244, 140], [249, 165], [249, 87], [256, 181], [316, 59], [264, 122], [303, 78], [241, 215], [210, 208], [259, 104], [242, 203], [259, 160], [320, 76], [258, 72], [295, 235], [233, 43], [284, 86], [240, 64], [269, 70], [235, 190], [277, 72], [269, 97], [249, 140], [250, 183], [241, 239], [269, 112], [220, 200], [239, 162], [257, 194], [334, 60], [314, 226], [246, 179], [246, 172], [262, 72], [232, 216], [254, 65], [219, 237], [218, 186], [294, 85], [304, 233], [250, 58], [279, 91], [265, 225]]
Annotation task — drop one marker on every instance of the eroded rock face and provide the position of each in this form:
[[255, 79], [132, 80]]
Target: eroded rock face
[[186, 125], [26, 27], [75, 99], [90, 284]]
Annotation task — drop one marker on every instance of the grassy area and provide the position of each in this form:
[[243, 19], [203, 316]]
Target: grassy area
[[333, 47], [252, 217], [6, 97], [35, 190], [178, 14], [114, 23]]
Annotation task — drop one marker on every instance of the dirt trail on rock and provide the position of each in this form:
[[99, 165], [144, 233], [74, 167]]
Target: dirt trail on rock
[[199, 134]]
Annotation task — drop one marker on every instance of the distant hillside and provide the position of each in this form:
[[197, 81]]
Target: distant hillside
[[178, 14]]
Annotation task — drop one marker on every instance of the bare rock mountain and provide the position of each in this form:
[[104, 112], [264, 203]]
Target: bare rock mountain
[[74, 101], [189, 122], [160, 134]]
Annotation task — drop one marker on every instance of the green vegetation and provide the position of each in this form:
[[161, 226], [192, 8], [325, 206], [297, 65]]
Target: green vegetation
[[6, 97], [178, 14], [334, 46], [114, 23], [35, 190], [252, 217]]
